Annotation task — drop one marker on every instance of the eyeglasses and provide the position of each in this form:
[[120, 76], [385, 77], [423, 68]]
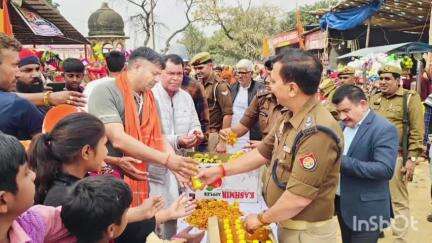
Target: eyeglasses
[[344, 77], [242, 73]]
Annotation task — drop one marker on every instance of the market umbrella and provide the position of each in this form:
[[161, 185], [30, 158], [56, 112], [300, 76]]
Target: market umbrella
[[402, 48]]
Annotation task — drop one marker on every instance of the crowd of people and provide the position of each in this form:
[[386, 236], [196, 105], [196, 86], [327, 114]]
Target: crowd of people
[[115, 167]]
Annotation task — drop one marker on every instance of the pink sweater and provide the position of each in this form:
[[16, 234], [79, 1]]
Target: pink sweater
[[40, 224]]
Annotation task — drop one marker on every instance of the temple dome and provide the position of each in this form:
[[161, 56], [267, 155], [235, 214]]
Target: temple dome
[[105, 22]]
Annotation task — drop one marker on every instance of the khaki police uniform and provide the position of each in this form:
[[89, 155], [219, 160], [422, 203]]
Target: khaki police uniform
[[329, 88], [313, 174], [328, 94], [326, 86], [220, 104], [219, 100], [391, 107], [267, 111], [264, 109]]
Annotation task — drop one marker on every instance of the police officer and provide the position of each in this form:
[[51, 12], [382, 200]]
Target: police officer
[[303, 149], [389, 102], [263, 109], [218, 96], [345, 76]]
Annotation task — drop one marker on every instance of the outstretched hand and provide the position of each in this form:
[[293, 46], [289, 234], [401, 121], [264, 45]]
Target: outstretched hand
[[189, 238], [127, 165], [182, 207], [151, 206], [209, 175], [184, 166]]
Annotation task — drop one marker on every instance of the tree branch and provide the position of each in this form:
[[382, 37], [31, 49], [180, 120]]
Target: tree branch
[[189, 6], [249, 5], [134, 3], [221, 23]]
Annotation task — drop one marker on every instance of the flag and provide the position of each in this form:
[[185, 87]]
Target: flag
[[5, 24]]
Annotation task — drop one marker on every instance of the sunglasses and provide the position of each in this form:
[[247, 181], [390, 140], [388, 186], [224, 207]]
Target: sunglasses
[[344, 77], [242, 73]]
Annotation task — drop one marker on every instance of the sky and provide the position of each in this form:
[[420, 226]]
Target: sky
[[168, 12]]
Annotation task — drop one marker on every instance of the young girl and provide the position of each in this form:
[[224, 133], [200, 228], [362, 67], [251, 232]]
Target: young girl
[[22, 222], [75, 147]]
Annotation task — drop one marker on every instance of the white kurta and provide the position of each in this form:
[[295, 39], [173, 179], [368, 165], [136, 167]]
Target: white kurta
[[178, 117], [239, 107]]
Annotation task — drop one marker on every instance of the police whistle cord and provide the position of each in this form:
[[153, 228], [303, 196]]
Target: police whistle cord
[[302, 136]]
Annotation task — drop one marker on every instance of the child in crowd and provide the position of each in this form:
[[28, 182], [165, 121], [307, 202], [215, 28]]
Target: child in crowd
[[73, 73], [19, 221], [75, 147], [96, 207], [105, 198]]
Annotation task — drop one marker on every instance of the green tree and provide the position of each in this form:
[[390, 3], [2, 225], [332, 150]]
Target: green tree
[[308, 18], [241, 29], [194, 40]]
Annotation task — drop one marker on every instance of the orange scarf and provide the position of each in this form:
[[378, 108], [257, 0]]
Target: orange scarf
[[148, 131]]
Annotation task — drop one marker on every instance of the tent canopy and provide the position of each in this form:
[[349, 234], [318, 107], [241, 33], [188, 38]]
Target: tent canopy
[[402, 48], [349, 18], [26, 36], [400, 15]]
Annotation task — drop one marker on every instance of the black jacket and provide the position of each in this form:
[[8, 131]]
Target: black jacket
[[255, 132]]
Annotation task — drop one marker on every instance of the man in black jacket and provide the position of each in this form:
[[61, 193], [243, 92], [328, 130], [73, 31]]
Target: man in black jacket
[[243, 91]]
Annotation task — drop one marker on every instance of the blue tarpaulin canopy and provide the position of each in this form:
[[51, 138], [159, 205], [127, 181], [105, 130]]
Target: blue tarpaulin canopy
[[402, 48], [349, 18]]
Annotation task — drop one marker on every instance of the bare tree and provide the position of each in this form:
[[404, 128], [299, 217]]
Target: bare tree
[[190, 4], [144, 18], [146, 23]]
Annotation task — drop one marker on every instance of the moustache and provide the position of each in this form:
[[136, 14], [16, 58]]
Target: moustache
[[37, 80]]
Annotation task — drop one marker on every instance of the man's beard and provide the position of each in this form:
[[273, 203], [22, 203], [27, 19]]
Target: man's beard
[[35, 87]]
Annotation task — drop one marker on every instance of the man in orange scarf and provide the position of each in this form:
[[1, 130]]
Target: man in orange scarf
[[128, 109]]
